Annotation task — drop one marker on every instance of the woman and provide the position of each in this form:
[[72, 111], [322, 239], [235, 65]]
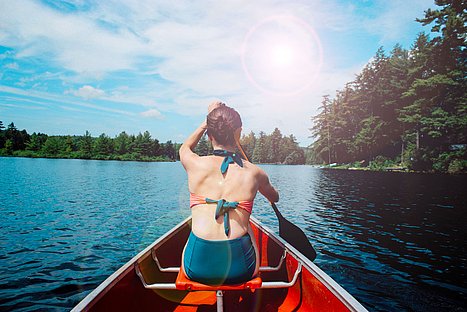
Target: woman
[[221, 248]]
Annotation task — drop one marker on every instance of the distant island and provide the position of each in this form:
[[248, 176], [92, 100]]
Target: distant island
[[141, 147], [274, 148]]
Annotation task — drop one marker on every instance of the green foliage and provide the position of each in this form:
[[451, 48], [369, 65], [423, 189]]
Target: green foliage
[[123, 147], [53, 146], [457, 166], [36, 141], [452, 162], [409, 106], [274, 148], [85, 146], [203, 147], [381, 163], [15, 139], [170, 150], [2, 135], [260, 152], [104, 145], [9, 147], [249, 143]]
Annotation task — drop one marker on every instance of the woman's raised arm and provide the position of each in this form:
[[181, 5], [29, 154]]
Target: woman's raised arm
[[186, 151]]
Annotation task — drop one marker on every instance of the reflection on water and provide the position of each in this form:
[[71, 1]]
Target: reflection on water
[[395, 241], [68, 224]]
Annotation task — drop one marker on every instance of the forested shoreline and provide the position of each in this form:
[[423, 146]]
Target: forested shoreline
[[405, 109], [273, 148], [141, 147]]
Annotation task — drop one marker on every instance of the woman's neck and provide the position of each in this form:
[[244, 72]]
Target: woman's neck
[[223, 147]]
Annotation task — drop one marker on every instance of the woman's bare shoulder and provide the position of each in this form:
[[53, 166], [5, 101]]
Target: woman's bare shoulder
[[204, 163], [254, 169]]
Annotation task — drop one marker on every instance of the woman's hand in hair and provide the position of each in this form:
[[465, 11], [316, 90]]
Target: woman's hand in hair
[[214, 105]]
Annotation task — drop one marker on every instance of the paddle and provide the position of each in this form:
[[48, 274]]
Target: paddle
[[291, 233]]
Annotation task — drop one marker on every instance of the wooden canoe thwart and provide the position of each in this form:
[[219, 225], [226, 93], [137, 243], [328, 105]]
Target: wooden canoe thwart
[[151, 282]]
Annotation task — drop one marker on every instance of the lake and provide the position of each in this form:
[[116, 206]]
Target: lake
[[395, 241]]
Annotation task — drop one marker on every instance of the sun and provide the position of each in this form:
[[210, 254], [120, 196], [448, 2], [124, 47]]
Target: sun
[[282, 55]]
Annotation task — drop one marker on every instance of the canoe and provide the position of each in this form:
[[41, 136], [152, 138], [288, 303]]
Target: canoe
[[151, 281]]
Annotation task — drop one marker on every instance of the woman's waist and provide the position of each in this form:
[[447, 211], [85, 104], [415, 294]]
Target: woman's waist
[[244, 237], [206, 227]]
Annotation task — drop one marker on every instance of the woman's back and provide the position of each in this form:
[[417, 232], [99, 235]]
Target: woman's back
[[237, 184]]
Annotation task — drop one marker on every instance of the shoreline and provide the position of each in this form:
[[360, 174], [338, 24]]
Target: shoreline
[[397, 169], [139, 159], [391, 169]]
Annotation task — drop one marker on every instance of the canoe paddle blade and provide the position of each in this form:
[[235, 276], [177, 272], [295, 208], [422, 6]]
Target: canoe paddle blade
[[293, 235]]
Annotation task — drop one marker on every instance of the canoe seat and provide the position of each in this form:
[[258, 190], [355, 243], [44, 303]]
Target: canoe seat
[[184, 283]]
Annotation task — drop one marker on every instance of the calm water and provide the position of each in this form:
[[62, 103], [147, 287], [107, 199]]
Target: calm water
[[394, 241]]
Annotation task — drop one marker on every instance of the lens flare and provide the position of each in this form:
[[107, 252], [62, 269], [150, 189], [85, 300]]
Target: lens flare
[[282, 55]]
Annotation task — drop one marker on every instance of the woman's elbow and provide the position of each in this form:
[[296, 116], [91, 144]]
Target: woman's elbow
[[275, 197], [272, 195]]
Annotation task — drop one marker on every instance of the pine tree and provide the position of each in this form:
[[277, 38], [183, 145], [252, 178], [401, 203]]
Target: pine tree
[[248, 143], [85, 145], [203, 147], [274, 146], [104, 145], [260, 151], [2, 135], [121, 143]]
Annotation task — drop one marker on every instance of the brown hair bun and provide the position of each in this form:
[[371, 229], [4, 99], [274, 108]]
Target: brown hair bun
[[222, 123]]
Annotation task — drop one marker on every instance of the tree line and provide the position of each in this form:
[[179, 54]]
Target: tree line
[[408, 107], [273, 148], [141, 147]]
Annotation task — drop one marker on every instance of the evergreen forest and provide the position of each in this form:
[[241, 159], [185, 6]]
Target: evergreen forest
[[406, 108], [141, 147], [273, 148]]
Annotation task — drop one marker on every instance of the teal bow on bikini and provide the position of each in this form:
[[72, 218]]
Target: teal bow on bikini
[[229, 158], [223, 207]]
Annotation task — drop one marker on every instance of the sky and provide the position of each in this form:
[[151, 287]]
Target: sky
[[67, 67]]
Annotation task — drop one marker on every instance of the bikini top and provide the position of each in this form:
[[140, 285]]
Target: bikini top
[[223, 206]]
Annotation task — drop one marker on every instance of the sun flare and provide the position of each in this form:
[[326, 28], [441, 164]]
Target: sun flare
[[281, 55]]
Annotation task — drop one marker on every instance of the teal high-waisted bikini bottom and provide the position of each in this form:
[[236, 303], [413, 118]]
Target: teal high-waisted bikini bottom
[[216, 262]]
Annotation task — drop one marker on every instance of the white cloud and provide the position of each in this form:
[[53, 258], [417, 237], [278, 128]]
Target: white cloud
[[392, 19], [88, 92], [13, 66], [51, 100], [73, 41], [152, 113], [195, 47]]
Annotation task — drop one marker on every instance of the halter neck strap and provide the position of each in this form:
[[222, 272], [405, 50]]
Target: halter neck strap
[[229, 158]]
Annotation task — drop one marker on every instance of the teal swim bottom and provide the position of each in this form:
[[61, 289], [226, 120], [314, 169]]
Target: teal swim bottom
[[216, 262]]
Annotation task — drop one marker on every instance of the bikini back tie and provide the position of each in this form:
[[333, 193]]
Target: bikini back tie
[[223, 207]]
